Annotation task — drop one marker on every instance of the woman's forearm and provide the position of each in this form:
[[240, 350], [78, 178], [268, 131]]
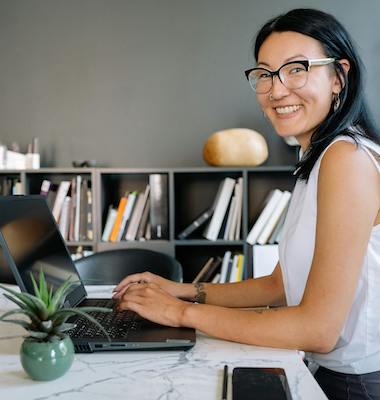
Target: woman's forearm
[[284, 327], [250, 293]]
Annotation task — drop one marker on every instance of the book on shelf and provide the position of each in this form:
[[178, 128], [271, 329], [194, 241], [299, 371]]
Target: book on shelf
[[239, 210], [119, 217], [233, 224], [52, 194], [83, 210], [110, 220], [137, 214], [127, 215], [64, 221], [45, 187], [274, 218], [240, 268], [275, 235], [229, 225], [61, 194], [224, 196], [144, 222], [197, 223], [212, 208], [78, 185], [247, 272], [224, 268], [6, 186], [270, 204], [17, 188], [49, 190], [233, 276], [205, 267], [159, 206], [223, 227], [72, 209], [264, 259], [212, 270], [229, 268], [90, 223], [148, 232]]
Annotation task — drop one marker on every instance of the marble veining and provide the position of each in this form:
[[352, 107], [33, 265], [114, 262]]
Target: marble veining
[[151, 375]]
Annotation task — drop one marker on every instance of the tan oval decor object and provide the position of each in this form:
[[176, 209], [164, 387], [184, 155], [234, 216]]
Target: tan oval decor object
[[235, 147]]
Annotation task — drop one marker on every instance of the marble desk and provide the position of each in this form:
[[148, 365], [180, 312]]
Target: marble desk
[[172, 375]]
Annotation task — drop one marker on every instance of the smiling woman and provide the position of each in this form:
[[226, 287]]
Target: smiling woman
[[308, 82]]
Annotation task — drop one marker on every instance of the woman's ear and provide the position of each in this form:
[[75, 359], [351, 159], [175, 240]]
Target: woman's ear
[[345, 65], [339, 79]]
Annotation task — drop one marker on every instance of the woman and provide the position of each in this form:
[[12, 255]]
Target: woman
[[308, 83]]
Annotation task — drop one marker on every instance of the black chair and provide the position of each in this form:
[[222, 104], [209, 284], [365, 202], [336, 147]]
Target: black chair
[[6, 275], [110, 267]]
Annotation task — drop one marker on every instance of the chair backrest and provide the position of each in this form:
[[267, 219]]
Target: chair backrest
[[110, 267], [6, 275]]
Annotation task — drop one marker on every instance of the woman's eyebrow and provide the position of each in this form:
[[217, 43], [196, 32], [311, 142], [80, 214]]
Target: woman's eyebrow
[[263, 63], [297, 56]]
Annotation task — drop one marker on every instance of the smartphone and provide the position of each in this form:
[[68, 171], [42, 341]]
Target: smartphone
[[249, 383]]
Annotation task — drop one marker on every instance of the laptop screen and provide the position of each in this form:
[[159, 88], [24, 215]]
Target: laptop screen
[[32, 242]]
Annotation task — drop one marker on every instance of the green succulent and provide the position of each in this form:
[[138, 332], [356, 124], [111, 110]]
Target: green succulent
[[46, 312]]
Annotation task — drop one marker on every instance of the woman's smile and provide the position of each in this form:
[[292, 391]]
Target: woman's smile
[[287, 110]]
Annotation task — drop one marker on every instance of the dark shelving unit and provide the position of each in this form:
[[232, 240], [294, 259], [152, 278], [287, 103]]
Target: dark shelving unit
[[190, 190]]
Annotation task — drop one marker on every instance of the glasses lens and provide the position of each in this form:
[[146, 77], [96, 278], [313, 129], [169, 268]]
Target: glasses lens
[[261, 80], [293, 75]]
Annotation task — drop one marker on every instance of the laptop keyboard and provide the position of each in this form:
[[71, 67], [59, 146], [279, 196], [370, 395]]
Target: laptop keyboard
[[118, 324]]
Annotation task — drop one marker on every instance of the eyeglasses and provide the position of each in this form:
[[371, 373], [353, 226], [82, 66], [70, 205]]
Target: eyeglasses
[[292, 75]]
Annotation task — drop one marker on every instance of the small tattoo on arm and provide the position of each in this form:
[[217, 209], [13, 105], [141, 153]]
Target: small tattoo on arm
[[200, 297], [262, 310]]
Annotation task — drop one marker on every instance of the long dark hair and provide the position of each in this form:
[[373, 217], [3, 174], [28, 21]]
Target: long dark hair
[[352, 118]]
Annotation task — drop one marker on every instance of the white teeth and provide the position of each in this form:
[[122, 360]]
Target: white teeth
[[287, 109]]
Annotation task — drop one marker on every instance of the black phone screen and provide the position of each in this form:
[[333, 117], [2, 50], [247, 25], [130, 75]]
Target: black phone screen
[[249, 383]]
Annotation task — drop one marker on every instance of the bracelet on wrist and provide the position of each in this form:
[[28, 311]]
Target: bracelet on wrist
[[200, 296]]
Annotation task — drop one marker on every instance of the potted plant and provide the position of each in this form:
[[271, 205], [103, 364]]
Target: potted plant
[[47, 352]]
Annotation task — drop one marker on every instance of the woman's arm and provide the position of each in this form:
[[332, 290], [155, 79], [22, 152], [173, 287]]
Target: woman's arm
[[348, 203]]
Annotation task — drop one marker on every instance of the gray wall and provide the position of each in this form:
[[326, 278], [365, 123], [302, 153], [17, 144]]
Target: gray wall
[[143, 83]]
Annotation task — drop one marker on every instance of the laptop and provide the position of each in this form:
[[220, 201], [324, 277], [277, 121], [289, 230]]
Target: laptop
[[30, 240]]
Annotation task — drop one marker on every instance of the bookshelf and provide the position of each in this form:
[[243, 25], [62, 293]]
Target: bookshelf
[[190, 192]]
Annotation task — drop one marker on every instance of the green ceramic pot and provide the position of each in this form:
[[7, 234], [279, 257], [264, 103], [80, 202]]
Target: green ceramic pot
[[47, 361]]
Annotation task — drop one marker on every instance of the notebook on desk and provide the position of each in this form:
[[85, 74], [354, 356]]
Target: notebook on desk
[[30, 241]]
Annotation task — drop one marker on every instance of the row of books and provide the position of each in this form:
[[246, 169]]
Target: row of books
[[268, 226], [140, 216], [229, 268], [224, 216], [71, 205], [10, 186], [232, 268]]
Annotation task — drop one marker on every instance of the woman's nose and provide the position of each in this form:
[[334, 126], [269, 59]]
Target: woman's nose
[[279, 90]]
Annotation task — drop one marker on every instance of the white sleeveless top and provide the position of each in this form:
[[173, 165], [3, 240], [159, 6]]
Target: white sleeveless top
[[358, 348]]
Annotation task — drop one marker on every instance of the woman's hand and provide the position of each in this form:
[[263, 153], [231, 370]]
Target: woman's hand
[[173, 288], [150, 301]]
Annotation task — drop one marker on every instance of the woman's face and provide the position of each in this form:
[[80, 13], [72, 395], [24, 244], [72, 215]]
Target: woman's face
[[297, 112]]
